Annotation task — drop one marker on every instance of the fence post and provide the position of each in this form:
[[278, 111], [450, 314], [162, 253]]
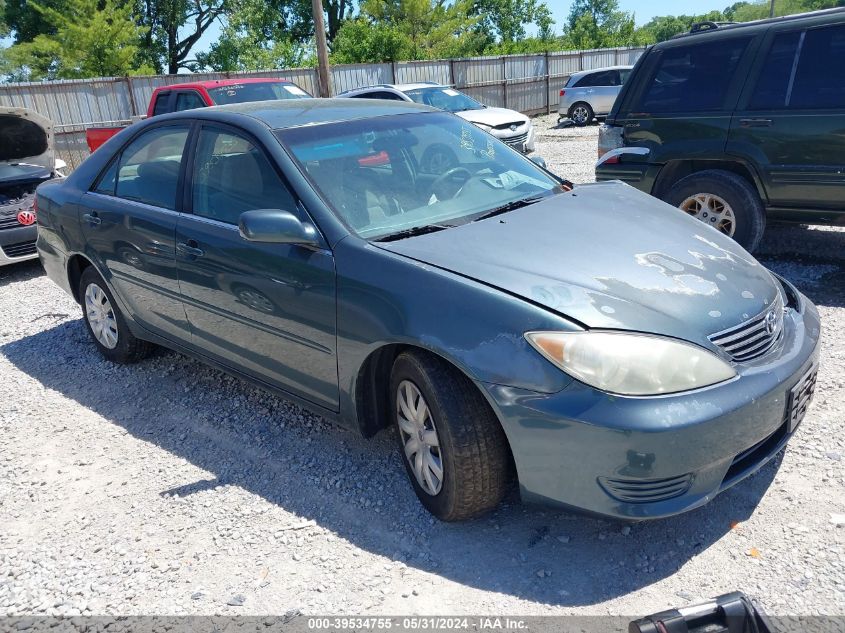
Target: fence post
[[504, 82], [452, 81], [393, 72], [132, 105], [548, 86]]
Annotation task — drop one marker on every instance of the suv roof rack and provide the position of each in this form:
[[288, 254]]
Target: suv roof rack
[[707, 25]]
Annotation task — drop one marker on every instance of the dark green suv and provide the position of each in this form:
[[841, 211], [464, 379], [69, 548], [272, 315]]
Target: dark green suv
[[735, 123]]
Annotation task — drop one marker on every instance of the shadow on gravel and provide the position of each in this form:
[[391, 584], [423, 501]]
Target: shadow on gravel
[[357, 489], [24, 271]]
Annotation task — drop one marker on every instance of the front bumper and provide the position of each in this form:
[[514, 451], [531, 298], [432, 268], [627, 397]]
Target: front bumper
[[18, 244], [645, 458], [521, 139]]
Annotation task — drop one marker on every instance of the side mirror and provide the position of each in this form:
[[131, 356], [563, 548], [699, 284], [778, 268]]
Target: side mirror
[[277, 227], [538, 160]]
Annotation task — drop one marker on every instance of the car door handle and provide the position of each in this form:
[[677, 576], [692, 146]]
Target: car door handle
[[92, 218], [755, 122], [190, 248]]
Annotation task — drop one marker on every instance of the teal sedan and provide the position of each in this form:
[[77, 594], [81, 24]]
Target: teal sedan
[[606, 351]]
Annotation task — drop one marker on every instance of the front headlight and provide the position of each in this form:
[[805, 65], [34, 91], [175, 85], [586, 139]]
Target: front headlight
[[631, 364]]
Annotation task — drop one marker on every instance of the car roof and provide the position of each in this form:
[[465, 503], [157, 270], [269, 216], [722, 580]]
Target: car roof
[[310, 111], [399, 87], [215, 83], [590, 71], [755, 24]]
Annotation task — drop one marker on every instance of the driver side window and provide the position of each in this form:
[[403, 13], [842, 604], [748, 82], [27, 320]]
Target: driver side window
[[232, 175]]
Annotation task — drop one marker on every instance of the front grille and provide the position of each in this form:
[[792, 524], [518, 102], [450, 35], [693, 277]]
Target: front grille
[[753, 338], [9, 223], [21, 249], [517, 141], [646, 490]]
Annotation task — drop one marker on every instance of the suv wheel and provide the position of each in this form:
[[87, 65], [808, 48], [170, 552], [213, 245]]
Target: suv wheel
[[106, 324], [453, 447], [581, 114], [723, 200]]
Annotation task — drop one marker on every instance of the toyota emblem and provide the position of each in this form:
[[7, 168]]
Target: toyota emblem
[[26, 217], [771, 322], [513, 127]]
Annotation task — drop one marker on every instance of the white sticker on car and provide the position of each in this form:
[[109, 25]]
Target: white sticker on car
[[296, 90]]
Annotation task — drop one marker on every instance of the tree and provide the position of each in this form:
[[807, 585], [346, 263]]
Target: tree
[[173, 27], [408, 29], [747, 11], [89, 38], [25, 22], [663, 27], [505, 20], [601, 24]]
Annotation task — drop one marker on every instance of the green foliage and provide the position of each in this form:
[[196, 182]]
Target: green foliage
[[601, 24], [88, 38], [390, 30], [663, 27], [25, 21], [505, 20], [747, 11]]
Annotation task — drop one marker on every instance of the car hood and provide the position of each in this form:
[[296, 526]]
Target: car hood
[[26, 141], [492, 116], [608, 256]]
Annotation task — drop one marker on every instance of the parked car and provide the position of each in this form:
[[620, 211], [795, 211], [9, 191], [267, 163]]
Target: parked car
[[590, 93], [200, 94], [510, 126], [634, 366], [26, 160], [737, 123]]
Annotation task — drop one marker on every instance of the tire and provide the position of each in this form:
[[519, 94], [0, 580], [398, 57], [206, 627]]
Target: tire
[[581, 114], [744, 203], [473, 451], [126, 348]]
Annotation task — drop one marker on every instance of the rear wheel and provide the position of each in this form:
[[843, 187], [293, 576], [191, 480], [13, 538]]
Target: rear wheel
[[453, 447], [106, 324], [581, 114], [723, 200]]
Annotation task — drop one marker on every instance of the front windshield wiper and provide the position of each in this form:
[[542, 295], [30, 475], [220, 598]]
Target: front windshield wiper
[[509, 206], [415, 230]]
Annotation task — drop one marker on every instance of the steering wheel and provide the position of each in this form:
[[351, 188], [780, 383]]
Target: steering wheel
[[447, 184]]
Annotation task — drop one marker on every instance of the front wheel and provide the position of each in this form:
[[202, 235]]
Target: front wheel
[[723, 200], [106, 324], [453, 447]]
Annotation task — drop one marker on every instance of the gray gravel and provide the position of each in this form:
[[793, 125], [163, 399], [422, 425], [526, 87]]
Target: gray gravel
[[170, 488]]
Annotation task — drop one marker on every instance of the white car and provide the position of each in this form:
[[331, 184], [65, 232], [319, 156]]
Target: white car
[[591, 93], [509, 126]]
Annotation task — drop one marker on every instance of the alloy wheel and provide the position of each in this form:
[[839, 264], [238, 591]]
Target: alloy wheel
[[419, 437], [711, 209], [100, 316], [580, 114]]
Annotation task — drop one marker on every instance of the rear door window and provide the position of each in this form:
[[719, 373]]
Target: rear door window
[[188, 101], [775, 76], [820, 75], [693, 78], [148, 169], [603, 78]]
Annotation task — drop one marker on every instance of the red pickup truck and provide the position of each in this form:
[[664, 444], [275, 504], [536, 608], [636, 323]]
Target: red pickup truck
[[200, 94]]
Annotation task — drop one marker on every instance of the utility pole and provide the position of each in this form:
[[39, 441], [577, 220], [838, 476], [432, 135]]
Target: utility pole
[[322, 49], [771, 8]]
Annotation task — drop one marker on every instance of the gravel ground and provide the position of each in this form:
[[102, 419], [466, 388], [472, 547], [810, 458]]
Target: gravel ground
[[170, 488]]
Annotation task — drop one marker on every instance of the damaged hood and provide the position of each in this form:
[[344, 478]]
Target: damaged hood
[[26, 144], [608, 256], [492, 116]]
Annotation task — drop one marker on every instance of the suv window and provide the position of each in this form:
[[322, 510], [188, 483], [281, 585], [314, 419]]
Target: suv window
[[820, 76], [773, 83], [147, 170], [603, 78], [232, 175], [162, 101], [693, 78], [188, 101]]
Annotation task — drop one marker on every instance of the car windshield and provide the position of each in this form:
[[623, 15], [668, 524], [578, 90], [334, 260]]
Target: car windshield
[[444, 99], [260, 91], [395, 175]]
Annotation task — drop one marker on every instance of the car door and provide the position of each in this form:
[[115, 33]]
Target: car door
[[789, 121], [267, 309], [129, 221]]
